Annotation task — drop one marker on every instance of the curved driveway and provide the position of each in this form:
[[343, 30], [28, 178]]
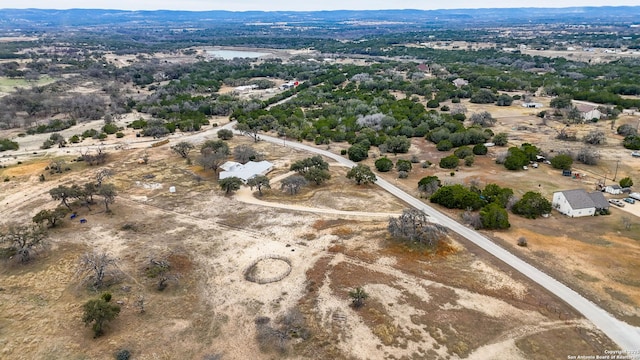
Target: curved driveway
[[623, 334]]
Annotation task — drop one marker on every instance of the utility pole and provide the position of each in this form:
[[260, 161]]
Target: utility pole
[[616, 173]]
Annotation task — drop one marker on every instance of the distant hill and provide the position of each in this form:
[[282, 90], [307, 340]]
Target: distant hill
[[26, 19]]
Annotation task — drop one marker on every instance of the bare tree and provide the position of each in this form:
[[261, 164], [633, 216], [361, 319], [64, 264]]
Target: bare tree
[[245, 153], [595, 137], [626, 222], [588, 155], [96, 268], [472, 219], [23, 240], [108, 193], [102, 175], [483, 119], [293, 183], [414, 226]]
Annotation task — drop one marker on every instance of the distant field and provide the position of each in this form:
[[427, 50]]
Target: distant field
[[9, 84]]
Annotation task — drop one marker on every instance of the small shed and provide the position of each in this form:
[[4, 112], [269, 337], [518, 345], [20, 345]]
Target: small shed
[[614, 189]]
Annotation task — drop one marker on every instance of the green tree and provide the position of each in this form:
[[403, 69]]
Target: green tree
[[362, 174], [449, 162], [384, 164], [562, 161], [358, 296], [483, 96], [52, 217], [457, 197], [492, 193], [504, 100], [398, 144], [626, 182], [183, 148], [561, 102], [494, 216], [230, 184], [317, 175], [64, 194], [225, 134], [357, 152], [632, 142], [532, 205], [303, 166], [480, 149], [215, 146], [516, 159], [99, 312], [259, 182]]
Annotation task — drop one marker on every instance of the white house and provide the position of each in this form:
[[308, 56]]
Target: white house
[[246, 171], [533, 105], [613, 189], [578, 202]]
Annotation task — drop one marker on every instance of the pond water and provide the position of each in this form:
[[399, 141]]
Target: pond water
[[231, 54]]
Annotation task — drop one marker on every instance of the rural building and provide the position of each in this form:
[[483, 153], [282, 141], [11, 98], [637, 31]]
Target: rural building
[[532, 105], [578, 202], [246, 171], [614, 189], [589, 112]]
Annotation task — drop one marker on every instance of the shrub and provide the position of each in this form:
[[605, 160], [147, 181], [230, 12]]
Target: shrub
[[403, 165], [123, 355], [444, 145], [433, 104], [504, 100], [225, 134], [627, 130], [384, 164], [110, 129], [445, 108], [501, 139], [6, 144], [343, 152], [403, 174], [119, 135], [480, 149], [449, 162], [522, 241], [469, 160], [493, 216], [462, 152]]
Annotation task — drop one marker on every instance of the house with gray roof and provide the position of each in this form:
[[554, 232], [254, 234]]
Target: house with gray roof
[[579, 202]]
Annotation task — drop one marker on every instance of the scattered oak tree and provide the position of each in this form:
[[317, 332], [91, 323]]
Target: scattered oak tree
[[259, 182], [562, 161], [293, 184], [99, 312], [384, 164], [51, 217], [494, 216], [22, 240], [626, 182], [183, 148], [96, 268], [230, 184], [362, 174]]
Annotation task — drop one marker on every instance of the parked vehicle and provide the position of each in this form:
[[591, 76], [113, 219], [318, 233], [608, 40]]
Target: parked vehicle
[[635, 153], [616, 202], [629, 200]]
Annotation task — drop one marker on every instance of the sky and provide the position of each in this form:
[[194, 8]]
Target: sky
[[273, 5]]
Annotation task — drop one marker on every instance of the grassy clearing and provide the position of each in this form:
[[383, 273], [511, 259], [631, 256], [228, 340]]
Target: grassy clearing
[[9, 84]]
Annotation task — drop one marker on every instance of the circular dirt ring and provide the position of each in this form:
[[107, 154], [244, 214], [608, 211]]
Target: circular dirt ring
[[268, 269]]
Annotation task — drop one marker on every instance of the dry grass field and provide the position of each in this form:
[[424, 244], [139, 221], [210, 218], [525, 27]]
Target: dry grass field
[[454, 303]]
